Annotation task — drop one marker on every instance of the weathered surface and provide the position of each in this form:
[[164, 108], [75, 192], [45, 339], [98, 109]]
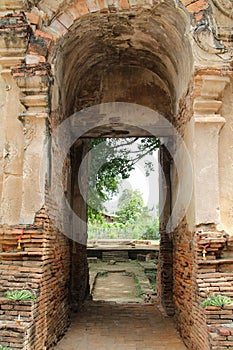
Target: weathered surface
[[174, 57], [109, 326]]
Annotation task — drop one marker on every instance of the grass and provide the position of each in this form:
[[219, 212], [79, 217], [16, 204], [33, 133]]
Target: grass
[[152, 279], [19, 295], [138, 285], [216, 300]]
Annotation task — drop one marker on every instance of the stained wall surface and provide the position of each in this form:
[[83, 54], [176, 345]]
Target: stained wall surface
[[160, 67]]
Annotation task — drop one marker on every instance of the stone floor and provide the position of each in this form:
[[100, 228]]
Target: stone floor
[[113, 326], [118, 287], [128, 323], [115, 282]]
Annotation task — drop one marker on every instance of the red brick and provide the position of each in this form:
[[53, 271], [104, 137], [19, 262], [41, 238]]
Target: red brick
[[223, 331], [124, 4], [198, 6]]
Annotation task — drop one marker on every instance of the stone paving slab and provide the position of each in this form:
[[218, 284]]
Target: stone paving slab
[[116, 286], [111, 326], [132, 267]]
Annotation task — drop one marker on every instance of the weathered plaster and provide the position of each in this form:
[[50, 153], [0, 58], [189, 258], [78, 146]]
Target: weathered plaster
[[226, 162]]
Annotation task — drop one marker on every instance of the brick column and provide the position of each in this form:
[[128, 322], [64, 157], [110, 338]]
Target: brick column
[[165, 266]]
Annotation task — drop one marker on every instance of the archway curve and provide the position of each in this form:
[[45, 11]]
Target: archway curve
[[138, 57], [142, 42]]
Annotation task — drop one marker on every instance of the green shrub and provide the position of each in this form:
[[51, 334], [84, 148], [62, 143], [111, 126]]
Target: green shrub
[[4, 347], [19, 295], [216, 300]]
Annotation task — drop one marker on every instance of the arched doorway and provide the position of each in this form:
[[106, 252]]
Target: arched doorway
[[120, 52], [128, 75]]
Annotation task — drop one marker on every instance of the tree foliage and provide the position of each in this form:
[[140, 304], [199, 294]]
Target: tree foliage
[[111, 162], [151, 231], [130, 205]]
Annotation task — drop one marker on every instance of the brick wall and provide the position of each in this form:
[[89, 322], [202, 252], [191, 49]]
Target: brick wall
[[182, 279], [47, 259], [44, 267], [194, 279]]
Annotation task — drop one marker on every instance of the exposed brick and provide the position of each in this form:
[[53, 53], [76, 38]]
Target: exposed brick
[[198, 6], [223, 331], [58, 27], [50, 309], [124, 4], [103, 4], [66, 19], [33, 18], [46, 36], [82, 8]]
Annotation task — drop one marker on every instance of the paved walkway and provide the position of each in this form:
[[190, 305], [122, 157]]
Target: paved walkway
[[118, 318], [111, 326]]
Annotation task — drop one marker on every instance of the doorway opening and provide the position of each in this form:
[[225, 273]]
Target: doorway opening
[[127, 75], [123, 218], [123, 308]]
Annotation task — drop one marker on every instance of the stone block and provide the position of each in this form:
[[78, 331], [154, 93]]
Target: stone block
[[82, 7], [103, 5], [124, 4], [134, 3], [197, 6], [57, 28], [93, 5], [73, 11], [33, 18], [66, 19]]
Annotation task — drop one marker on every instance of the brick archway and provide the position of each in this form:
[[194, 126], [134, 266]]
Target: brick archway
[[59, 16], [113, 60], [187, 65]]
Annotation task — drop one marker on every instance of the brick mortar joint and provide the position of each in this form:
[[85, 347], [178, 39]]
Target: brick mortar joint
[[32, 69], [14, 23]]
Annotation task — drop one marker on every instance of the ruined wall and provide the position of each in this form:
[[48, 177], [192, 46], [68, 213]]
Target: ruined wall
[[164, 283], [226, 161], [31, 38], [212, 276], [42, 266]]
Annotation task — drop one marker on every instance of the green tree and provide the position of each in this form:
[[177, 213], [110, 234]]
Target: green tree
[[151, 231], [131, 206], [112, 161]]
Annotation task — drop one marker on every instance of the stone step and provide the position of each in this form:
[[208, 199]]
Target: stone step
[[117, 255]]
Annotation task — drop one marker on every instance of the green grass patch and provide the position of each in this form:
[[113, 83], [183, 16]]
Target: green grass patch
[[216, 300], [19, 295], [4, 347]]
